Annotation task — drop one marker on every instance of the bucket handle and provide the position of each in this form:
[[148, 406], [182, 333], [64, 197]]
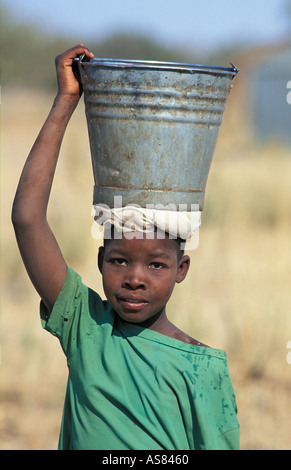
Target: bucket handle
[[79, 58], [76, 62], [234, 70]]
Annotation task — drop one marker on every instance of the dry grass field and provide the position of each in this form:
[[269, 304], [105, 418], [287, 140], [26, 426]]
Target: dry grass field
[[236, 297]]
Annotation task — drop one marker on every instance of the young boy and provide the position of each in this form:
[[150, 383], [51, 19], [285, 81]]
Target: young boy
[[135, 380]]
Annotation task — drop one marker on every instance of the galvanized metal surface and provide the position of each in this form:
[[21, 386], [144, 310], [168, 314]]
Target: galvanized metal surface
[[152, 128]]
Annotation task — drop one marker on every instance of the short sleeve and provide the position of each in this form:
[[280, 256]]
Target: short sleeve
[[230, 440], [76, 310]]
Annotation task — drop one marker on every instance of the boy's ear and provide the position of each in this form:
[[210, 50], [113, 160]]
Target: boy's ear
[[183, 268], [100, 258]]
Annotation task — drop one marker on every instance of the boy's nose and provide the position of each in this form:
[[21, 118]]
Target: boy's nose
[[134, 279]]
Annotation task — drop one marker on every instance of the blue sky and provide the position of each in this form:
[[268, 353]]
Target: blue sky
[[201, 24]]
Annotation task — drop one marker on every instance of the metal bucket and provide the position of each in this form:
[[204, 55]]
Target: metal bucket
[[152, 128]]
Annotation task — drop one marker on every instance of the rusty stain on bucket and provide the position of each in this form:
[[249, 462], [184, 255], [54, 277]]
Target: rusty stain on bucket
[[152, 128]]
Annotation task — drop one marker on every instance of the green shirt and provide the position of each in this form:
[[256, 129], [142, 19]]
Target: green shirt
[[133, 388]]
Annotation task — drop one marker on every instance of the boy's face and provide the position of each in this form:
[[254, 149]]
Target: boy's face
[[139, 276]]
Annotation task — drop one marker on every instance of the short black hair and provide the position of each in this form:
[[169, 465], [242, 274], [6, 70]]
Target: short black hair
[[179, 242]]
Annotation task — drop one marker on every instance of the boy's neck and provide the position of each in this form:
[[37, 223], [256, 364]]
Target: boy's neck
[[161, 324]]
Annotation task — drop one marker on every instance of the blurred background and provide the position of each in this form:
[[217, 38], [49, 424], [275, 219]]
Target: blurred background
[[237, 294]]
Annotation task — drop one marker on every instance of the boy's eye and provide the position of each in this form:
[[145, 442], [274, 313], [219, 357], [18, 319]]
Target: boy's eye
[[119, 261], [156, 265]]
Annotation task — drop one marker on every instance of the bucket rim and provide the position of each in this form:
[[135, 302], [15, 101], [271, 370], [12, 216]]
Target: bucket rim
[[159, 65]]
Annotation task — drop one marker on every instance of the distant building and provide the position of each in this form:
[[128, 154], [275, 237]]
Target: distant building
[[269, 85]]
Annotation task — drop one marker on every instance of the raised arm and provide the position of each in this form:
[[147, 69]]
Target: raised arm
[[39, 249]]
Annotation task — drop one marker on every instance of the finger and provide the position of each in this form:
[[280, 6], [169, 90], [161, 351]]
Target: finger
[[74, 52], [81, 49]]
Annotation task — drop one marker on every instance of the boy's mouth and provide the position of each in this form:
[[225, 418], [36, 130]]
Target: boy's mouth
[[133, 303]]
